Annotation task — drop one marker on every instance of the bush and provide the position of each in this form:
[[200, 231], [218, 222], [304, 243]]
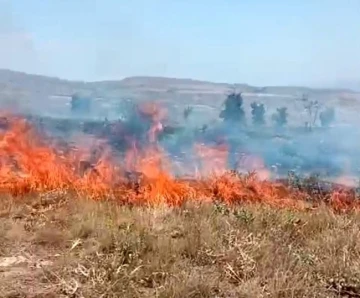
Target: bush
[[258, 113], [280, 117]]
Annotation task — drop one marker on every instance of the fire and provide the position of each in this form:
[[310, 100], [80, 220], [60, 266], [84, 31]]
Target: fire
[[32, 162], [253, 163], [155, 114], [27, 164], [213, 159]]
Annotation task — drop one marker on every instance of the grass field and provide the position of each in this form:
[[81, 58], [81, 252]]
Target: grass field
[[55, 245]]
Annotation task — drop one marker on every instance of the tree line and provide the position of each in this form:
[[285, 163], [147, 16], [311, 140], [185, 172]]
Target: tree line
[[234, 112]]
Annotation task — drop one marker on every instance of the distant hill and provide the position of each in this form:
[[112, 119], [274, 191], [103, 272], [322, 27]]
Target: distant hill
[[43, 94], [19, 84], [353, 85]]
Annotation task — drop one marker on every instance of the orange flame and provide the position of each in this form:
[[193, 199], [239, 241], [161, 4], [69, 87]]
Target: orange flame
[[213, 159], [29, 164]]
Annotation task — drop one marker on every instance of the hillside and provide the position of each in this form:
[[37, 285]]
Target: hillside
[[50, 95], [19, 82]]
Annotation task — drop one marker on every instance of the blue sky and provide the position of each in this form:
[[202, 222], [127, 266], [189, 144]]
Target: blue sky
[[260, 42]]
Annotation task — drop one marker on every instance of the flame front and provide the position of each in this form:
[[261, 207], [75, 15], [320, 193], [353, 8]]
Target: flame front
[[31, 162]]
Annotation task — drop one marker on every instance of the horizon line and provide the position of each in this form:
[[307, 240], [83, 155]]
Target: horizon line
[[174, 78]]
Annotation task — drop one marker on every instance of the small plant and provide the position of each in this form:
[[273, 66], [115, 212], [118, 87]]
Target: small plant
[[221, 208], [245, 216], [187, 112]]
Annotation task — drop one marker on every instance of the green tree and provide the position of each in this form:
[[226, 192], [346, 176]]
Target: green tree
[[233, 109], [280, 117], [258, 113]]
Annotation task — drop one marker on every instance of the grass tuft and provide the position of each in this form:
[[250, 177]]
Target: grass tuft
[[82, 248]]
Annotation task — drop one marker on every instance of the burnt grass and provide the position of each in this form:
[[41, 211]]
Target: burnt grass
[[65, 246]]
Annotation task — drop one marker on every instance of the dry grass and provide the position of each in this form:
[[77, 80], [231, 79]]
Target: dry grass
[[80, 248]]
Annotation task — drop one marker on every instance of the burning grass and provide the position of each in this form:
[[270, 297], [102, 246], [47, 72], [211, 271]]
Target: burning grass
[[90, 221], [33, 163]]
